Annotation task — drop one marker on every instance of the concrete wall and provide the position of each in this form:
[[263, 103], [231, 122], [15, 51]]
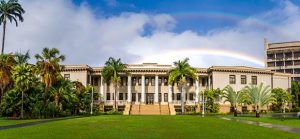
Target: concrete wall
[[80, 76], [221, 79], [283, 82]]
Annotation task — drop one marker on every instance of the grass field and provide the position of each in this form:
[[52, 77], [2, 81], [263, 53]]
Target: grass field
[[295, 122], [4, 122], [145, 127]]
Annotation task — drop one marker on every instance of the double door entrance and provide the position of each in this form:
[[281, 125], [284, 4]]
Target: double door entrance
[[149, 98]]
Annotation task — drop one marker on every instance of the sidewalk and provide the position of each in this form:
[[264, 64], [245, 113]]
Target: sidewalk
[[268, 125]]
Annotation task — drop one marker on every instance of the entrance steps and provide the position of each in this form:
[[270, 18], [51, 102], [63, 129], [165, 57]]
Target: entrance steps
[[135, 110], [155, 109]]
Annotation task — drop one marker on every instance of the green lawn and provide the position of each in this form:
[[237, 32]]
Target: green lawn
[[4, 122], [145, 127], [295, 122]]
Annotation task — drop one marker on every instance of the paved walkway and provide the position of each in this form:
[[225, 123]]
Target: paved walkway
[[268, 125], [33, 123]]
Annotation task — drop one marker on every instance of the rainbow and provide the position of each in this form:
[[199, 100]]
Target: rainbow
[[171, 56], [230, 17]]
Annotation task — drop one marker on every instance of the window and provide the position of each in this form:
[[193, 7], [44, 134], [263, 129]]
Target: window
[[126, 96], [173, 96], [165, 97], [107, 96], [140, 81], [133, 81], [191, 96], [96, 79], [152, 81], [189, 82], [146, 81], [67, 76], [178, 96], [203, 81], [121, 96], [243, 79], [165, 81], [159, 81], [232, 79], [122, 81], [254, 80]]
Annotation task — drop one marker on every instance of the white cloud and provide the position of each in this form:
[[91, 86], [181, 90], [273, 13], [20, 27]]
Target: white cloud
[[87, 39]]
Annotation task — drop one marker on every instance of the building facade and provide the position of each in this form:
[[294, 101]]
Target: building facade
[[283, 57], [147, 83]]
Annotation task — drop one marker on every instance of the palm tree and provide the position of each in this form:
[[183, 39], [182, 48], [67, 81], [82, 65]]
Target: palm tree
[[7, 62], [24, 79], [48, 67], [296, 91], [62, 91], [179, 74], [21, 58], [113, 67], [258, 96], [12, 11], [233, 97]]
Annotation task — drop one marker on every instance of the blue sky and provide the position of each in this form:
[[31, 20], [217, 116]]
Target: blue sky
[[197, 15], [209, 32]]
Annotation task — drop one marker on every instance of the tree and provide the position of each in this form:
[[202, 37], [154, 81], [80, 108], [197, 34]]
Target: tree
[[281, 98], [7, 62], [210, 98], [179, 74], [24, 79], [258, 96], [48, 67], [62, 92], [12, 11], [296, 91], [21, 58], [111, 73], [233, 97]]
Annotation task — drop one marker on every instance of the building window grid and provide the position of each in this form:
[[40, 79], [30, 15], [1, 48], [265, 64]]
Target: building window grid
[[243, 79], [67, 76], [152, 81], [254, 80], [232, 79]]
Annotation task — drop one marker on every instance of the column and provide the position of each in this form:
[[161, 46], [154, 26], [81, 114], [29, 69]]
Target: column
[[197, 89], [129, 93], [143, 89], [103, 98], [156, 90], [208, 81], [170, 94]]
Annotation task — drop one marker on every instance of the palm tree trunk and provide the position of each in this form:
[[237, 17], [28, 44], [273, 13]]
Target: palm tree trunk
[[235, 111], [3, 37], [257, 112], [182, 100], [22, 111], [115, 98]]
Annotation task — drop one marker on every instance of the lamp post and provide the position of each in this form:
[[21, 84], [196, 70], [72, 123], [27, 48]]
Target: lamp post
[[203, 104], [92, 100]]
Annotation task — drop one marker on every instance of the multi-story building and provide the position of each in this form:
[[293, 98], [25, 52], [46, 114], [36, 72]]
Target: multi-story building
[[283, 57], [147, 83]]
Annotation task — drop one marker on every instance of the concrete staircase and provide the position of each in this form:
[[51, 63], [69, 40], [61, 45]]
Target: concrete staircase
[[164, 110], [150, 110], [135, 110]]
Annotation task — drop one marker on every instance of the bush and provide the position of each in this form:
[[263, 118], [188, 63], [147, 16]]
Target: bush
[[295, 109]]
